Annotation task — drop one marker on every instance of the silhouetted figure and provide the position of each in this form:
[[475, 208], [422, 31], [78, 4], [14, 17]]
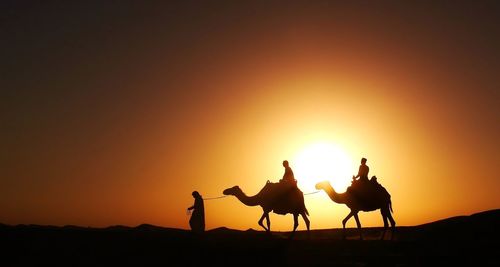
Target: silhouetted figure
[[362, 172], [197, 220], [288, 175]]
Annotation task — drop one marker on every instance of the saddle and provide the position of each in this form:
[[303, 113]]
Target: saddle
[[282, 194], [365, 189]]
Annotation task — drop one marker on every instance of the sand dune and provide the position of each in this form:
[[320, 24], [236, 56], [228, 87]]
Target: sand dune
[[466, 240]]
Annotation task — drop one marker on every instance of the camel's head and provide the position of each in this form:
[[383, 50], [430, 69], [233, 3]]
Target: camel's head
[[232, 191], [322, 185]]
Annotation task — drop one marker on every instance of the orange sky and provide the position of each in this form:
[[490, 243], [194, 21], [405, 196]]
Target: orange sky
[[115, 114]]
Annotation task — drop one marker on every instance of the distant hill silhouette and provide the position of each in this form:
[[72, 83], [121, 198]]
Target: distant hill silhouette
[[480, 217], [463, 240]]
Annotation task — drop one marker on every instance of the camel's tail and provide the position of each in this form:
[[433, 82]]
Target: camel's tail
[[303, 208]]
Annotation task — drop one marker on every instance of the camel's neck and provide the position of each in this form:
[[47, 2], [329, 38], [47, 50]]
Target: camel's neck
[[249, 201], [336, 197]]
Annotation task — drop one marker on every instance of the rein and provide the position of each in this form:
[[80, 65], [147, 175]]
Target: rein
[[310, 193], [212, 198]]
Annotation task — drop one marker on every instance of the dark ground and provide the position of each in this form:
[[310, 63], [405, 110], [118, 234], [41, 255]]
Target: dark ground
[[458, 241]]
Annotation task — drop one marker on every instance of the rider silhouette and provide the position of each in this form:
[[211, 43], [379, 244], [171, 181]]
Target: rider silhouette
[[362, 172], [288, 175]]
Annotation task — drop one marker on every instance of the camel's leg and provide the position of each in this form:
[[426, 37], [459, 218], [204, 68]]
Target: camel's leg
[[359, 225], [268, 221], [262, 219], [295, 221], [393, 224], [306, 220], [344, 221], [384, 211], [295, 224]]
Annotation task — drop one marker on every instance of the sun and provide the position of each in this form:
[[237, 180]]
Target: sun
[[322, 161]]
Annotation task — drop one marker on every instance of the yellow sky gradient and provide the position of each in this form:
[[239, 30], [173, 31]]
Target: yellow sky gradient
[[402, 148]]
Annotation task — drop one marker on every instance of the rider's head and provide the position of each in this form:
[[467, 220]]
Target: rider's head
[[285, 163], [363, 161], [195, 194]]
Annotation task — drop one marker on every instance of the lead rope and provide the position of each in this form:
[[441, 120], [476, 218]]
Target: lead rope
[[189, 212], [312, 192], [212, 198]]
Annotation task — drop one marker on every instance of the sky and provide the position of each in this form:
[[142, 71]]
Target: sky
[[112, 113]]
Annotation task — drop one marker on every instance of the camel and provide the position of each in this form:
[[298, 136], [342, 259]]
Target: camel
[[277, 197], [379, 200]]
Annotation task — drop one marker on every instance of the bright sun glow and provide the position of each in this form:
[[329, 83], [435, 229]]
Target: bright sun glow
[[322, 161]]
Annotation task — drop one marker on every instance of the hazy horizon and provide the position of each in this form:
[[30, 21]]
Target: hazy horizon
[[255, 228]]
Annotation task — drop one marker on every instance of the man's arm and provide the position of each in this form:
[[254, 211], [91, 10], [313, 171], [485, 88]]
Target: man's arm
[[359, 172]]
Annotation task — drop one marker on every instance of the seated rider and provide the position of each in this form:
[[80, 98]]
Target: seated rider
[[288, 177], [362, 172]]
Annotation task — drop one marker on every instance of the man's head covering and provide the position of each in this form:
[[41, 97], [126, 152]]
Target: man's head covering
[[196, 194]]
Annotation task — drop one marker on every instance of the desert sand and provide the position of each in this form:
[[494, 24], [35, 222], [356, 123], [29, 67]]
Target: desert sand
[[459, 241]]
